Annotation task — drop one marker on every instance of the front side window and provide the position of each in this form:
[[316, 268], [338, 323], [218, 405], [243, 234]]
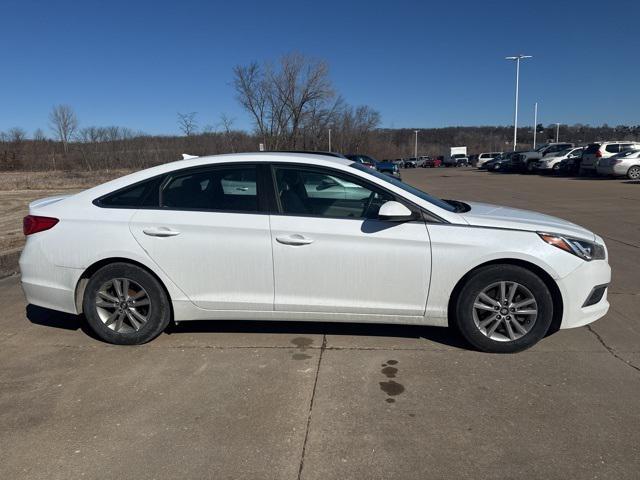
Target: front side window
[[222, 189], [326, 194]]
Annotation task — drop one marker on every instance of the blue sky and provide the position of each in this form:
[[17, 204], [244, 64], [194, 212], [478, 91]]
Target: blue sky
[[421, 63]]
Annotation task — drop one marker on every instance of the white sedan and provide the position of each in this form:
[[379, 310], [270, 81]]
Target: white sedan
[[277, 236], [551, 163]]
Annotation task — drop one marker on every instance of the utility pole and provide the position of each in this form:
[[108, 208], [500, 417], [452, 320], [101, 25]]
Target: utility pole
[[517, 58], [416, 145], [535, 124], [329, 139], [557, 132]]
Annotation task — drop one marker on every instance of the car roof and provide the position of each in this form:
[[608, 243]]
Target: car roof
[[193, 162]]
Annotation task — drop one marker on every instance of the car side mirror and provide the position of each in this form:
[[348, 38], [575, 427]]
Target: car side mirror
[[326, 183], [393, 211]]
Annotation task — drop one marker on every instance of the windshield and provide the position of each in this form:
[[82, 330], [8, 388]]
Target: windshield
[[407, 188], [541, 147]]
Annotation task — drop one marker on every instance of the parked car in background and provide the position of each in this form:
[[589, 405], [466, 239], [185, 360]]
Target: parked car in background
[[431, 162], [503, 163], [524, 161], [623, 164], [457, 160], [422, 161], [365, 160], [389, 167], [410, 162], [551, 162], [594, 152], [385, 166], [485, 157], [267, 236]]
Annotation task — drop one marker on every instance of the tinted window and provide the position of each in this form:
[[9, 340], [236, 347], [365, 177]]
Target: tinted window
[[143, 194], [612, 148], [592, 148], [326, 194], [226, 189]]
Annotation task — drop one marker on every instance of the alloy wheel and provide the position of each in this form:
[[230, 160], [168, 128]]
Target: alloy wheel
[[122, 305], [505, 311], [634, 173]]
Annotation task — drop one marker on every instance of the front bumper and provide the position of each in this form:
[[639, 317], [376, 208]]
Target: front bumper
[[577, 287]]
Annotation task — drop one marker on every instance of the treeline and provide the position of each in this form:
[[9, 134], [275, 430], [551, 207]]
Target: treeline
[[292, 104], [120, 148]]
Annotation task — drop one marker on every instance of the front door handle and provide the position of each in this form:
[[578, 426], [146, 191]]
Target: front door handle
[[160, 232], [294, 239]]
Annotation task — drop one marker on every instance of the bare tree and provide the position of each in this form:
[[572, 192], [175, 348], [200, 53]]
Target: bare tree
[[39, 135], [280, 98], [187, 123], [17, 135], [64, 123]]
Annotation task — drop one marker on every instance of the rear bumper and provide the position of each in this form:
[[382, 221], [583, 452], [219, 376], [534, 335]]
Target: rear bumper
[[577, 287], [45, 284]]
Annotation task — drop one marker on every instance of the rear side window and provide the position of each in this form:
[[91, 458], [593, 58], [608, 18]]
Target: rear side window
[[220, 189], [612, 148], [143, 194]]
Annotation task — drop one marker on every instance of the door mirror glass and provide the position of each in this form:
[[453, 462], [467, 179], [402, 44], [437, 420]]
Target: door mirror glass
[[393, 211], [326, 182]]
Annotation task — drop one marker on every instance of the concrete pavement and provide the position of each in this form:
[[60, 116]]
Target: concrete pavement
[[290, 400]]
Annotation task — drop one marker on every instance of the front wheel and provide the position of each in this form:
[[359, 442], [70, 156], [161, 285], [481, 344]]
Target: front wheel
[[503, 309], [126, 305], [634, 173]]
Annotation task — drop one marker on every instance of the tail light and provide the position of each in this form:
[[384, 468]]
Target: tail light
[[34, 224], [598, 154]]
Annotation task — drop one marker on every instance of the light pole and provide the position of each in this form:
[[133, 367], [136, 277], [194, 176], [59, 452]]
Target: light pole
[[329, 139], [535, 124], [416, 145], [517, 58], [557, 132]]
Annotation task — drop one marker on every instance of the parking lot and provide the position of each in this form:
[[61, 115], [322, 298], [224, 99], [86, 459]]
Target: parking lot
[[336, 401]]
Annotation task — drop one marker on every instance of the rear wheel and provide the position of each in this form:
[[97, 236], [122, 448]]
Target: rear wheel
[[126, 305], [634, 173], [503, 309]]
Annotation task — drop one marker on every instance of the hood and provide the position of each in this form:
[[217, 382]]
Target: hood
[[487, 215]]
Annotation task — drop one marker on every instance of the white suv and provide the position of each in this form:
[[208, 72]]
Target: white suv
[[596, 151], [485, 157]]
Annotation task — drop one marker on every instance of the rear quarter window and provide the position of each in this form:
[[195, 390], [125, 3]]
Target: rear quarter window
[[143, 194], [612, 148]]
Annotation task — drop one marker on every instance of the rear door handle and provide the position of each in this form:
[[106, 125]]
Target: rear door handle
[[294, 239], [160, 232]]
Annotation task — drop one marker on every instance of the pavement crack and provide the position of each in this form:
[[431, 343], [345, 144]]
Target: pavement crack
[[313, 397], [611, 350]]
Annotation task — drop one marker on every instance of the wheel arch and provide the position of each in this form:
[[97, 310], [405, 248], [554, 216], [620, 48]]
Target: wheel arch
[[93, 268], [556, 295]]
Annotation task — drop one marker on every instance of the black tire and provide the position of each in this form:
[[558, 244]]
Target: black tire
[[464, 308], [158, 313]]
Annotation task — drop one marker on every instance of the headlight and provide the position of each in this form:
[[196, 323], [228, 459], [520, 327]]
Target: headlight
[[580, 248]]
